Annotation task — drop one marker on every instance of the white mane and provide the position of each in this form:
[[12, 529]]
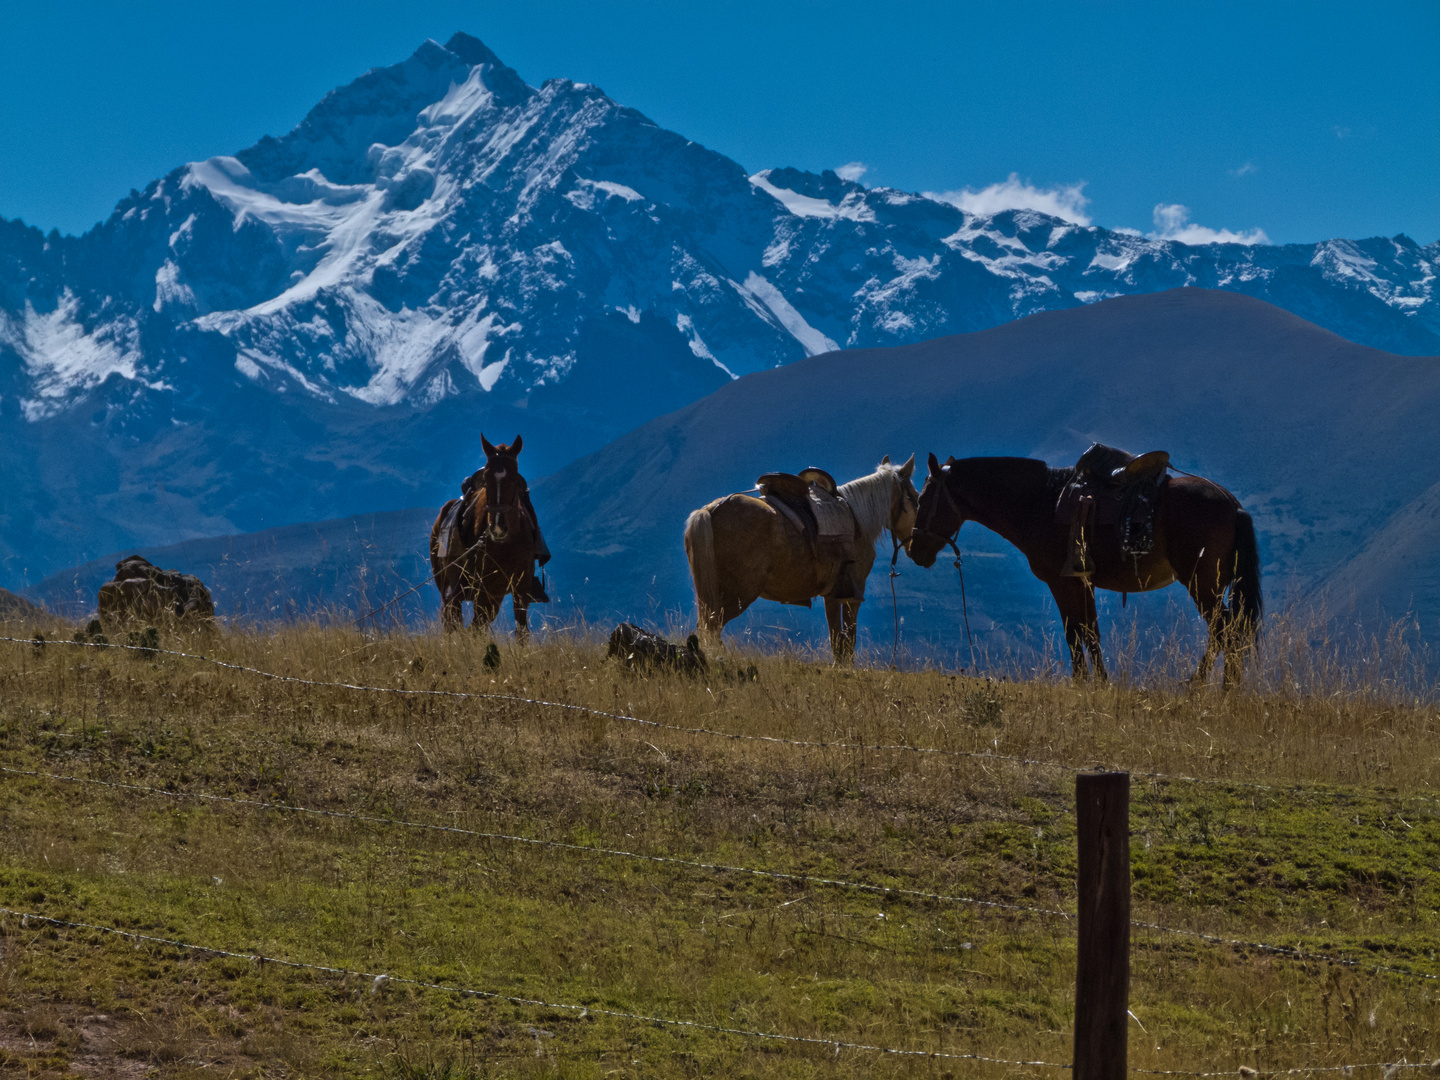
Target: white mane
[[869, 499]]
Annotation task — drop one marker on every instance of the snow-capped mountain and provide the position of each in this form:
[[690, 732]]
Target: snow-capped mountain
[[322, 323]]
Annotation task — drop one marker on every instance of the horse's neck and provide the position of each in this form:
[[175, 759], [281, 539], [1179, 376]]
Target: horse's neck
[[869, 501], [472, 518], [1009, 496]]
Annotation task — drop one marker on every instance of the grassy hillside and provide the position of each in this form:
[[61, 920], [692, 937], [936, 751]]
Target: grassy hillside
[[1311, 823]]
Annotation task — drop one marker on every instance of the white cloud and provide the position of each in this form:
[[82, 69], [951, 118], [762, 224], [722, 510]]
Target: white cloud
[[1172, 222], [1065, 201], [852, 171], [1246, 169]]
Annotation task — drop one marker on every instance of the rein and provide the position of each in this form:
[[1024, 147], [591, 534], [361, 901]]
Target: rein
[[959, 569], [964, 606], [894, 603]]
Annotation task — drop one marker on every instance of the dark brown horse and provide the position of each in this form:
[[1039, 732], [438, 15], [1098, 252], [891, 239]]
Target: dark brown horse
[[485, 544], [1202, 539]]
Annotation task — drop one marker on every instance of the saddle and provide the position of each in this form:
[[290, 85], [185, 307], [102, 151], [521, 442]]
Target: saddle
[[640, 650], [811, 500], [449, 535], [1116, 489]]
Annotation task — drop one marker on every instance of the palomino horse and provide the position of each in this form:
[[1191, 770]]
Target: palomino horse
[[1202, 539], [741, 549], [484, 544]]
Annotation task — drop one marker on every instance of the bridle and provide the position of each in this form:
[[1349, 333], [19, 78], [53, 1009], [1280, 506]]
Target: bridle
[[493, 507], [924, 528]]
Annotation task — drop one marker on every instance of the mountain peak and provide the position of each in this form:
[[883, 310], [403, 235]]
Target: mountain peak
[[380, 106], [471, 49]]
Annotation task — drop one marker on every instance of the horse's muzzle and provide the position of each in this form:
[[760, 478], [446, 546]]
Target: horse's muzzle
[[918, 547]]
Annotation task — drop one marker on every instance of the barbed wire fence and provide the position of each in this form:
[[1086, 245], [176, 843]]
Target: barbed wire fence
[[1349, 791], [1289, 951], [1389, 1069]]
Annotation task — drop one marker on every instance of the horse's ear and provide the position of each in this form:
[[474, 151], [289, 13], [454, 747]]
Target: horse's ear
[[485, 445], [885, 460], [516, 445], [950, 460], [934, 465], [908, 469]]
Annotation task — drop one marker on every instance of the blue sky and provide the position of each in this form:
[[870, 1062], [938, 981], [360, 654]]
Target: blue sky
[[1304, 121]]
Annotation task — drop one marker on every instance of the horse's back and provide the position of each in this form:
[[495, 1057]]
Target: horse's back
[[1199, 500]]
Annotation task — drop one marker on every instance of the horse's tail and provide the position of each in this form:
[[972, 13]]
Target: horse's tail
[[700, 551], [1246, 602]]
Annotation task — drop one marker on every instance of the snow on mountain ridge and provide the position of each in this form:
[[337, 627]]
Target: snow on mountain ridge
[[428, 208]]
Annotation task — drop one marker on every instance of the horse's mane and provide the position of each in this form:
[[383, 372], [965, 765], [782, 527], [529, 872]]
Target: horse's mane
[[869, 500]]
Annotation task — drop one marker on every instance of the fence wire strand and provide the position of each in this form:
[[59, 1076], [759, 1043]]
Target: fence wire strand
[[1389, 1069], [981, 755], [808, 879], [1288, 951], [377, 981]]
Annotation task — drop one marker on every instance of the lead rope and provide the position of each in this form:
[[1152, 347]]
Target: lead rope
[[894, 603], [964, 606]]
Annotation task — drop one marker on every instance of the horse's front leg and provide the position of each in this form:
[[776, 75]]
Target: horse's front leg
[[841, 618], [451, 617], [835, 618], [850, 615], [486, 608], [520, 604]]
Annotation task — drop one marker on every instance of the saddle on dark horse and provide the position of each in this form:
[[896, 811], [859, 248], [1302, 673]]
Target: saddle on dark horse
[[1115, 489], [811, 500]]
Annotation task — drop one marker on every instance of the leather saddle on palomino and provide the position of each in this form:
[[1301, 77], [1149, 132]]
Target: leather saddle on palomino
[[811, 500], [1116, 489]]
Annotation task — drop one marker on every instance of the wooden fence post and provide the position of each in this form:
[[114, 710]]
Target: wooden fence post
[[1102, 976]]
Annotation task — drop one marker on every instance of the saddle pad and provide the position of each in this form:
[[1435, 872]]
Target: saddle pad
[[833, 520], [449, 528], [786, 511]]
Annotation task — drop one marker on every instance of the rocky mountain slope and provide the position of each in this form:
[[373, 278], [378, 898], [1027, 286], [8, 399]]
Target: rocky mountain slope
[[323, 322]]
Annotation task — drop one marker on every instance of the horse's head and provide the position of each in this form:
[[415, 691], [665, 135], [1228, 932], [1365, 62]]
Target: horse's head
[[938, 517], [904, 500], [504, 486]]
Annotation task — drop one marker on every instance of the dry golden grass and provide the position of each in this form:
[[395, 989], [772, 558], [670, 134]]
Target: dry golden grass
[[1336, 855]]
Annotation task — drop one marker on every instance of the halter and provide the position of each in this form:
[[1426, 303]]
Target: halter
[[930, 517]]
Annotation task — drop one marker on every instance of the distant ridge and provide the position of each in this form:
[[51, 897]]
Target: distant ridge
[[17, 607], [1323, 441], [343, 568], [1329, 444]]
